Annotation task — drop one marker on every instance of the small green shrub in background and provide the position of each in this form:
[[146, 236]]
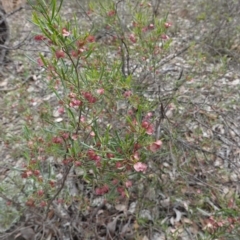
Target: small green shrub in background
[[221, 19]]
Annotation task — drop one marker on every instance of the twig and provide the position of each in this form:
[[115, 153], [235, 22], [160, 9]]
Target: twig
[[2, 46], [16, 87], [172, 56], [58, 191], [10, 14]]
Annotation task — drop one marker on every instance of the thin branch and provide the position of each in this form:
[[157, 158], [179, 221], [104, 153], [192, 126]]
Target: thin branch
[[58, 191], [15, 47]]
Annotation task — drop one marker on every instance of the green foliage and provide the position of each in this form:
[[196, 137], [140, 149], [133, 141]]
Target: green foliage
[[106, 129]]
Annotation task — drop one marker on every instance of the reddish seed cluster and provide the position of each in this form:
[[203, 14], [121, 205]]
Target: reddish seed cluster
[[74, 137], [59, 54], [80, 47], [110, 155], [155, 146], [74, 101], [148, 127], [57, 140], [128, 184], [121, 191], [89, 97], [164, 37], [65, 135], [93, 156], [167, 24], [111, 13], [61, 110], [137, 146], [36, 173], [30, 202], [52, 183], [118, 165], [80, 43], [212, 224], [151, 26], [136, 156], [133, 38], [65, 32], [74, 53], [43, 204], [72, 95], [115, 181], [91, 38], [40, 193], [39, 38], [140, 167], [100, 91], [102, 190], [27, 174], [148, 28], [66, 161], [40, 62], [77, 163], [127, 94]]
